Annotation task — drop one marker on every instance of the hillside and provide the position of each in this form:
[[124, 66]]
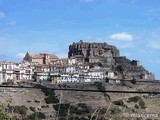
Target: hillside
[[28, 104]]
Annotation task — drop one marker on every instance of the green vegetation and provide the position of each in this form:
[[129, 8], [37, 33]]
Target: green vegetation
[[36, 116], [4, 116], [82, 108], [142, 104], [20, 109], [119, 102], [101, 88], [136, 106], [115, 110], [8, 83], [134, 99], [64, 109], [51, 98], [133, 81], [37, 101]]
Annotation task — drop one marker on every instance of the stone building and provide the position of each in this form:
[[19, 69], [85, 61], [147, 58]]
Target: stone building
[[41, 58]]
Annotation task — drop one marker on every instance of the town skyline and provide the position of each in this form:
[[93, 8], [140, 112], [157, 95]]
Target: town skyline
[[44, 27]]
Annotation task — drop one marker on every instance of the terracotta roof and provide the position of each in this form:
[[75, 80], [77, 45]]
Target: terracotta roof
[[41, 55], [53, 56], [37, 56]]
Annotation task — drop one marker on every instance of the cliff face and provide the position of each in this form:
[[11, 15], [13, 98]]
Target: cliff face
[[108, 56], [90, 50]]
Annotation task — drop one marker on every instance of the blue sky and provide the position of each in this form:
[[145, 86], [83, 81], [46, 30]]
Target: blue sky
[[52, 25]]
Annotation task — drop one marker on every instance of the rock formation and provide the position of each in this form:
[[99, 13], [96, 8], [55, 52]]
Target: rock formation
[[108, 56], [89, 50]]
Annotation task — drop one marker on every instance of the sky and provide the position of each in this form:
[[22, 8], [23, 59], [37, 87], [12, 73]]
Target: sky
[[50, 26]]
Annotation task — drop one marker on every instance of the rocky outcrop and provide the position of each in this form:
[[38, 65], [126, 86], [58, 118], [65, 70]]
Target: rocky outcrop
[[90, 50], [108, 56]]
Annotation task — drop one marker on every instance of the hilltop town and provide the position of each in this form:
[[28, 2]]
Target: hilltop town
[[52, 88], [86, 62]]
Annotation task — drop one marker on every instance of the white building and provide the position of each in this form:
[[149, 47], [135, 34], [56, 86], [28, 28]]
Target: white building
[[110, 74], [1, 75], [65, 77], [70, 69], [96, 75]]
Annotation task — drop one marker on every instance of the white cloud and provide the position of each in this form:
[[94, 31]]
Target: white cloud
[[2, 14], [153, 44], [12, 23], [87, 1], [122, 36], [21, 55]]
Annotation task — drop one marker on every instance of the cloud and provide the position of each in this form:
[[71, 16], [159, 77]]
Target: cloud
[[153, 44], [87, 1], [21, 55], [122, 36], [2, 14], [12, 23]]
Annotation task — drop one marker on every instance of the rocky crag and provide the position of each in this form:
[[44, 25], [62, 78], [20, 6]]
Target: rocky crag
[[89, 50], [108, 57]]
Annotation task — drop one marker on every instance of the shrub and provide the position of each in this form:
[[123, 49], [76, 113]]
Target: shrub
[[37, 101], [134, 99], [133, 81], [8, 83], [101, 88], [62, 108], [51, 99], [136, 106], [36, 116], [82, 108], [115, 110], [142, 104], [20, 109], [119, 102]]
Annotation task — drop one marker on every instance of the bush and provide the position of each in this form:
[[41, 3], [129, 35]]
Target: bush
[[136, 106], [133, 81], [62, 108], [134, 99], [8, 83], [51, 99], [119, 102], [82, 108], [36, 116], [101, 88], [37, 101], [115, 110], [20, 109], [142, 104]]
